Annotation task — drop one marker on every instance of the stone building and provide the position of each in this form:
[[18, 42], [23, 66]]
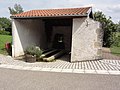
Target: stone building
[[82, 35]]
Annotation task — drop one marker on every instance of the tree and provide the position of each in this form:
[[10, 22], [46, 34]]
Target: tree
[[5, 24], [118, 27], [108, 27], [16, 10]]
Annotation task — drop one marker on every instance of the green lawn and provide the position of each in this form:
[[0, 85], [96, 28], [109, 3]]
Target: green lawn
[[115, 50], [3, 40]]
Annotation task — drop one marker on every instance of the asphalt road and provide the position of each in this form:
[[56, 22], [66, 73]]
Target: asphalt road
[[34, 80]]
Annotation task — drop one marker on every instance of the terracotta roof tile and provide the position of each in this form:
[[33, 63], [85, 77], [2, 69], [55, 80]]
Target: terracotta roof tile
[[54, 12]]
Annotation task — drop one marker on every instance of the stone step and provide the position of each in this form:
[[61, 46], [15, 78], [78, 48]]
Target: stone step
[[55, 56], [49, 53]]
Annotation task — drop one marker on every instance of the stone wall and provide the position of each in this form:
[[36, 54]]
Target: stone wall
[[86, 40]]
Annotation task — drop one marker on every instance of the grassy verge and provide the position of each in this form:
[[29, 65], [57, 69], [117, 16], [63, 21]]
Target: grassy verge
[[3, 40], [115, 50]]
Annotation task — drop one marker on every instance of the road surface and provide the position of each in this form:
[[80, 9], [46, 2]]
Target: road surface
[[36, 80]]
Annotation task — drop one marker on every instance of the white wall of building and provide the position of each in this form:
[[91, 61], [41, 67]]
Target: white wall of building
[[85, 42], [27, 32]]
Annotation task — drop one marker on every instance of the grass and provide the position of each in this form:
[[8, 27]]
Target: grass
[[115, 50], [3, 40]]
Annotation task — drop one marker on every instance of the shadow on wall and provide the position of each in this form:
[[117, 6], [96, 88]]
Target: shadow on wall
[[29, 32]]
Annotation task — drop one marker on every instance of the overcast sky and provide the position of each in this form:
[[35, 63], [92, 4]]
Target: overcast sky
[[108, 7]]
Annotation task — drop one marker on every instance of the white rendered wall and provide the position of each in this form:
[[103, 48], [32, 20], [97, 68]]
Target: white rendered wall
[[27, 32], [85, 42]]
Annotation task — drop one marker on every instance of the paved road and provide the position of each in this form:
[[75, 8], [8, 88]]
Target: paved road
[[33, 80]]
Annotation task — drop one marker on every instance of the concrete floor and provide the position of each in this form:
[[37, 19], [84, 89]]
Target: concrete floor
[[30, 80]]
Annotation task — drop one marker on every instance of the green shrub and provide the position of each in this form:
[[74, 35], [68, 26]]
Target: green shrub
[[34, 50], [3, 32], [116, 42]]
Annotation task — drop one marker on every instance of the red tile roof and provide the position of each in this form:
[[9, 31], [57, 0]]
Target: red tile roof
[[54, 12]]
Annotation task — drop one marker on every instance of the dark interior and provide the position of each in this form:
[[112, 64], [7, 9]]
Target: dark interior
[[59, 38]]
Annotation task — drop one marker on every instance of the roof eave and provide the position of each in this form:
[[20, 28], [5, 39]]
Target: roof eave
[[82, 15]]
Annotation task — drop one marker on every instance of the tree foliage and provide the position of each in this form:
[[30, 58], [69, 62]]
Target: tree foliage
[[118, 27], [5, 24], [108, 26], [16, 10]]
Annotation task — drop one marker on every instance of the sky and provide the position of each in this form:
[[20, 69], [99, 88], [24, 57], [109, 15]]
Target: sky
[[108, 7]]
